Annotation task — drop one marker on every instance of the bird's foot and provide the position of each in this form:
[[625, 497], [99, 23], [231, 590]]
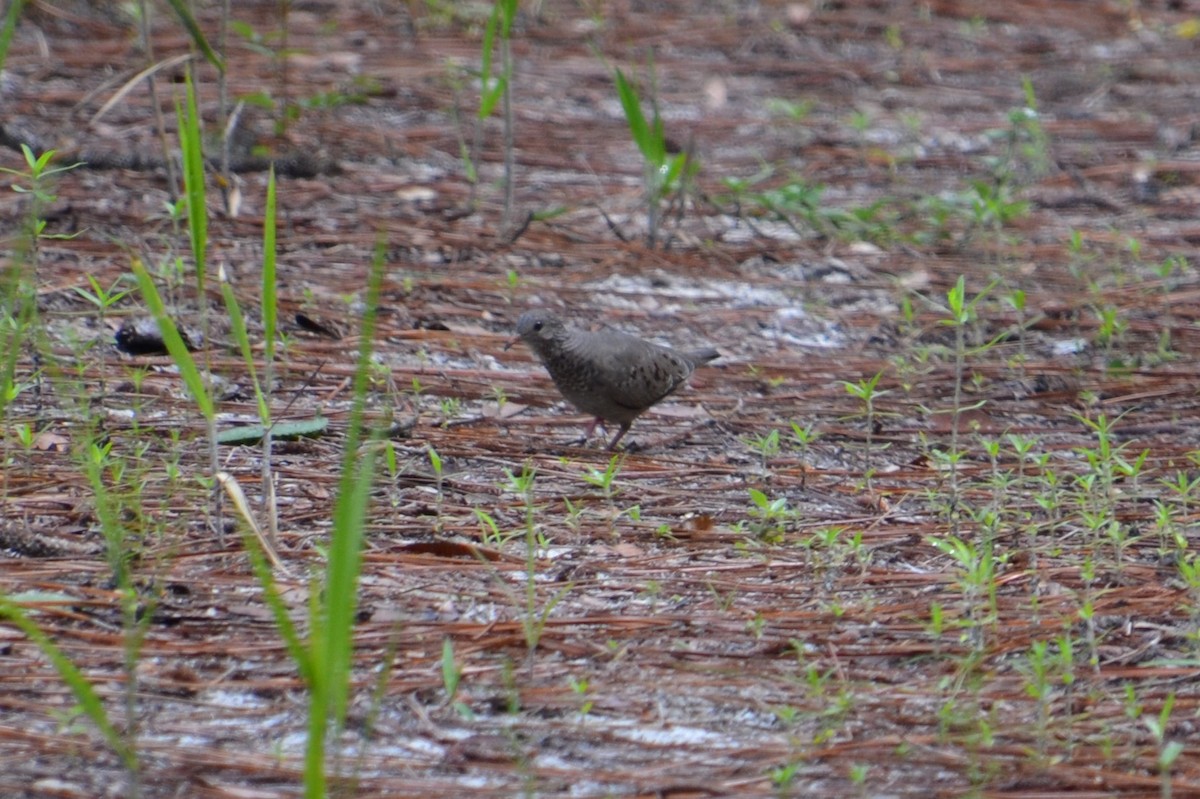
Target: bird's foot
[[620, 434]]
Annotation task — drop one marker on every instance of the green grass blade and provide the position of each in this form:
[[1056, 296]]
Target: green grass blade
[[82, 690], [345, 550], [345, 563], [270, 300], [15, 322], [487, 93], [332, 612], [287, 629], [489, 98], [182, 11], [508, 13], [192, 148], [10, 25], [650, 141], [175, 346], [237, 322]]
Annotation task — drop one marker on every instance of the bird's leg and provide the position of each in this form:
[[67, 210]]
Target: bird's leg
[[587, 434], [620, 433]]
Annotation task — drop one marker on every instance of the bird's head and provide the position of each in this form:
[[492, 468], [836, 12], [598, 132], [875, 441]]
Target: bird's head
[[539, 328]]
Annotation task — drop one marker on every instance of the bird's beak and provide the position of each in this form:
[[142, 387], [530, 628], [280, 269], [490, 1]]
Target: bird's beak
[[508, 344]]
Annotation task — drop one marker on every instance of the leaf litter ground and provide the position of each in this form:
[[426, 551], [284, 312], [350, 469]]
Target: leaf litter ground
[[704, 645]]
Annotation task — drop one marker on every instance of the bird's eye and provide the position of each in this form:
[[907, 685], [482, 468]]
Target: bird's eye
[[537, 326]]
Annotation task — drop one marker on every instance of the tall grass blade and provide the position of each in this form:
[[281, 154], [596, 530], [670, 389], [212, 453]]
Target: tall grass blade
[[270, 300], [649, 138], [350, 509], [180, 7], [237, 322], [174, 342], [331, 645], [10, 26], [491, 88], [192, 148], [82, 690]]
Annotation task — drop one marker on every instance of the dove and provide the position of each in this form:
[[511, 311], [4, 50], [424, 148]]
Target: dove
[[612, 375]]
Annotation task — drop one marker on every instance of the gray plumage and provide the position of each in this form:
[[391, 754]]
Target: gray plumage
[[612, 375]]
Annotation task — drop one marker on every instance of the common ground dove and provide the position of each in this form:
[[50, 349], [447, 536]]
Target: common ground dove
[[612, 375]]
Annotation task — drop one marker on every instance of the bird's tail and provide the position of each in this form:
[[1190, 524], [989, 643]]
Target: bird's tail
[[701, 357]]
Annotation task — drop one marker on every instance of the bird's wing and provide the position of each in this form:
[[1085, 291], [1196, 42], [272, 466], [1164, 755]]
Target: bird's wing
[[648, 374]]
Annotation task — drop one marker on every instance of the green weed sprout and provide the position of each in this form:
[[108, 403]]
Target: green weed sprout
[[663, 174]]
